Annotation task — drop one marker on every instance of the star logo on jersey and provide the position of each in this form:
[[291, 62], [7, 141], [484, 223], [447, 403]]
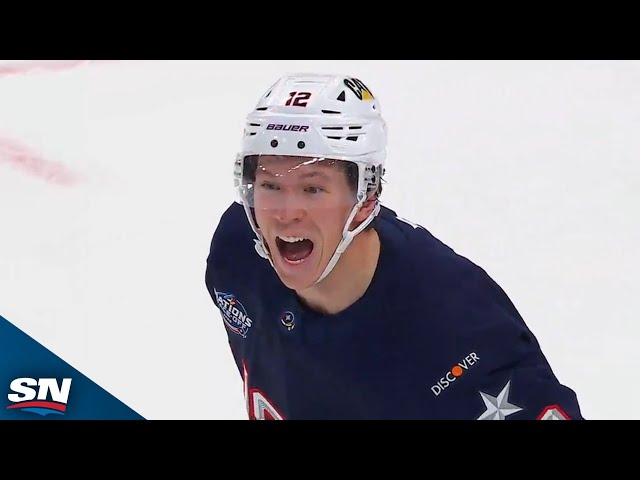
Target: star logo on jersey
[[498, 408]]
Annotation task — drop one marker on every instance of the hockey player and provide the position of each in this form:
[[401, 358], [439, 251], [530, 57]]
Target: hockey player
[[337, 308]]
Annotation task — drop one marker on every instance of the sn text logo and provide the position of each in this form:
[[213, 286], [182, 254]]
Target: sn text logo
[[42, 396]]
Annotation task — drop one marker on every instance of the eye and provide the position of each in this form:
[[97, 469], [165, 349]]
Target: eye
[[314, 189], [268, 186]]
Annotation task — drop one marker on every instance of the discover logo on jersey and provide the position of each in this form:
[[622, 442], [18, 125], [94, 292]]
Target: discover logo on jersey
[[454, 373]]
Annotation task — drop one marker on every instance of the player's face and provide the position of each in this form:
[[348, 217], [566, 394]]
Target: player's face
[[301, 208]]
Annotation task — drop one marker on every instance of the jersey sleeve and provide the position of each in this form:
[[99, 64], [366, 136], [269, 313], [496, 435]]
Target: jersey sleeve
[[521, 384], [496, 368], [502, 374], [229, 244], [524, 389]]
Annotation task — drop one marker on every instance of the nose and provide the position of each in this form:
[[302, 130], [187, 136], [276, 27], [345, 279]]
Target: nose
[[289, 209]]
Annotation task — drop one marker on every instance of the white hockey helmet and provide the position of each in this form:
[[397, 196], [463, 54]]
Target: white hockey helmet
[[320, 117]]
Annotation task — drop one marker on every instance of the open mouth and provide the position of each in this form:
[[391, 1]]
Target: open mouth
[[294, 249]]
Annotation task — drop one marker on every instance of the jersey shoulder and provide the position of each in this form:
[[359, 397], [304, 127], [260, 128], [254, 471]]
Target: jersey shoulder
[[429, 272], [458, 295], [239, 281], [442, 293], [233, 265], [477, 346], [232, 234]]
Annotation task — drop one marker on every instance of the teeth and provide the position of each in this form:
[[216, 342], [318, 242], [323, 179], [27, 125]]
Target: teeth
[[292, 239]]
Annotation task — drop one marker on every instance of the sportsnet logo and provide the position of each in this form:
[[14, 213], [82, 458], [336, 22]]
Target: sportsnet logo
[[32, 395]]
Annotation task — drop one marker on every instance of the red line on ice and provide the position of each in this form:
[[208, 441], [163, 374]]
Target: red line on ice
[[37, 66], [26, 159]]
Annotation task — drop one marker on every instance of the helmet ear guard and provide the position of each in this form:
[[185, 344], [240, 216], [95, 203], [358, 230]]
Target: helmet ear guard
[[316, 116]]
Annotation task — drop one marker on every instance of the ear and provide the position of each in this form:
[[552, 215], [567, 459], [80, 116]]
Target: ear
[[367, 207]]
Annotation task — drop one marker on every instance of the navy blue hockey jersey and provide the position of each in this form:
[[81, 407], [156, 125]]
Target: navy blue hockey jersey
[[434, 337]]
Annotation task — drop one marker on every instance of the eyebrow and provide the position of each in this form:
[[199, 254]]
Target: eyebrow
[[312, 174]]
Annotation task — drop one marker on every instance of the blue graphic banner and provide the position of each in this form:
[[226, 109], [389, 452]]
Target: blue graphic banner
[[36, 384]]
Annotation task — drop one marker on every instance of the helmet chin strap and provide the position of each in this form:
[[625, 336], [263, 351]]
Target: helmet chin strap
[[347, 237]]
